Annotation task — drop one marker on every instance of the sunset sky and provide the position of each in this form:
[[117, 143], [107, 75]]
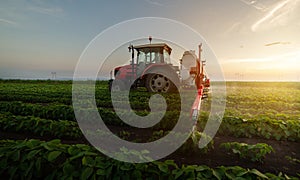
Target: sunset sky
[[252, 39]]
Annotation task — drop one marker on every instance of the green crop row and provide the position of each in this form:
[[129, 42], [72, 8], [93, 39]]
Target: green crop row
[[70, 130], [45, 110], [50, 111], [281, 97], [252, 99], [254, 113], [38, 81], [261, 127], [41, 127], [66, 112], [35, 99], [32, 159], [264, 128], [249, 100], [62, 93], [255, 152]]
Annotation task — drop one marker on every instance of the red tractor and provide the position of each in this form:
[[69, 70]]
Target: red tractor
[[152, 68]]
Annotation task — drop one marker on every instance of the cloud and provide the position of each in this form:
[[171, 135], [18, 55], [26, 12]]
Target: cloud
[[54, 11], [255, 3], [294, 55], [277, 43], [276, 13], [233, 27], [154, 3], [8, 22], [20, 13]]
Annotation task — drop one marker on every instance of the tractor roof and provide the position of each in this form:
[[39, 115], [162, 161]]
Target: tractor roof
[[158, 45]]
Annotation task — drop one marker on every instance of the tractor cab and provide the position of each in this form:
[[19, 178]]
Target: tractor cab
[[153, 53], [150, 54]]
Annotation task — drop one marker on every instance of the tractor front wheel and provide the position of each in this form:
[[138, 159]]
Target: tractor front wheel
[[159, 83]]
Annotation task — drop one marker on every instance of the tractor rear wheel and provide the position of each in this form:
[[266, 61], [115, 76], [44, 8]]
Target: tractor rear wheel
[[159, 83]]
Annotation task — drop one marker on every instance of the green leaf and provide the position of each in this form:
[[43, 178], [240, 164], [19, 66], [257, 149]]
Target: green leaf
[[242, 173], [15, 156], [102, 164], [201, 168], [163, 167], [229, 175], [38, 164], [90, 153], [86, 173], [170, 163], [126, 167], [101, 172], [77, 156], [73, 150], [177, 173], [28, 171], [218, 173], [82, 146], [88, 161], [241, 178], [259, 174], [32, 153], [137, 174], [235, 151], [286, 177], [32, 143], [53, 155], [68, 168], [282, 126], [46, 146]]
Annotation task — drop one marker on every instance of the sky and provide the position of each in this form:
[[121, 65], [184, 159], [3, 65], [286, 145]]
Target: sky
[[252, 39]]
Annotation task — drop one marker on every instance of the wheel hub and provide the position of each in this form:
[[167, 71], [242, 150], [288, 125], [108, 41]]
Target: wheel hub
[[159, 83]]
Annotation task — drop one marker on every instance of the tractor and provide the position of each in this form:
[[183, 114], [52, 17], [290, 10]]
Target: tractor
[[152, 69]]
